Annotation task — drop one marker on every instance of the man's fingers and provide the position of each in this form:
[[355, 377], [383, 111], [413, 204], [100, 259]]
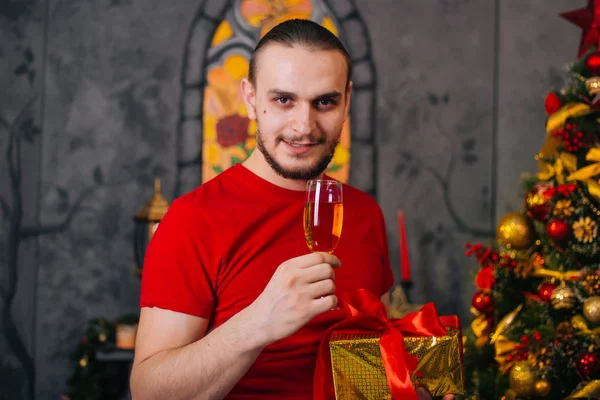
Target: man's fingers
[[325, 303], [449, 397], [319, 272], [310, 260], [321, 289]]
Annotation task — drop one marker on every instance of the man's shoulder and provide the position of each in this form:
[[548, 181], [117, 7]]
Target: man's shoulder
[[210, 198], [360, 198], [214, 192]]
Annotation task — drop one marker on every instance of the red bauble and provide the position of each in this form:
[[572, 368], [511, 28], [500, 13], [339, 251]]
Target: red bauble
[[536, 200], [545, 291], [552, 103], [587, 365], [558, 230], [592, 62], [483, 302]]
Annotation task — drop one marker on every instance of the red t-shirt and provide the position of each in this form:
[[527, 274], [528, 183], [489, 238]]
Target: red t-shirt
[[218, 246]]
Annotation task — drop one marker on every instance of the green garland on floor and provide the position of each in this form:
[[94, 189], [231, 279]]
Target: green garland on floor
[[93, 379]]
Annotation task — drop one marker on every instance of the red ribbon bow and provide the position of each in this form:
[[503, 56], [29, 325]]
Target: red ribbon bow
[[366, 312]]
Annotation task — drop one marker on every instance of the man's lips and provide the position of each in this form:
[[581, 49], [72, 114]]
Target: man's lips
[[300, 144], [299, 147]]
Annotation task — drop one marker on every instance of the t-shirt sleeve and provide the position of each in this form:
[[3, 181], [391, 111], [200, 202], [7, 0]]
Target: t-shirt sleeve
[[179, 271]]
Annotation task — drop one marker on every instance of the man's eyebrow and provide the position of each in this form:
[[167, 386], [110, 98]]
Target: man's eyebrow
[[281, 93], [284, 93], [330, 95]]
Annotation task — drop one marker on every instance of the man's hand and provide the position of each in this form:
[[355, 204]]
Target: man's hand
[[423, 395], [300, 289]]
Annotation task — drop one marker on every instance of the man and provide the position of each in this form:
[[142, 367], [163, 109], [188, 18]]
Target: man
[[233, 303]]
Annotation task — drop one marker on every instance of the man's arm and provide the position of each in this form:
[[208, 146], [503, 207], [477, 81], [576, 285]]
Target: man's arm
[[175, 359], [172, 362]]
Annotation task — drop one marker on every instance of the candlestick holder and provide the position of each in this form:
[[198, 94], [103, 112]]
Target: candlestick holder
[[407, 286], [400, 306]]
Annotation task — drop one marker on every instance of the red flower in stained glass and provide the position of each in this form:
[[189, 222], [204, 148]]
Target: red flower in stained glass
[[232, 130]]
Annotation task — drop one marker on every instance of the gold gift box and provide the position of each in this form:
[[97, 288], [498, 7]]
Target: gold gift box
[[358, 371]]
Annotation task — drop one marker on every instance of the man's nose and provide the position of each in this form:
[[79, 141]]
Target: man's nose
[[303, 119]]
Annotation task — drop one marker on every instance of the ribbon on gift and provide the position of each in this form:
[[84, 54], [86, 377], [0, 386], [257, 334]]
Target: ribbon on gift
[[367, 313]]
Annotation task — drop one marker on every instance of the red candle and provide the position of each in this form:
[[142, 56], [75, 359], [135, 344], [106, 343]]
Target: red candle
[[404, 259]]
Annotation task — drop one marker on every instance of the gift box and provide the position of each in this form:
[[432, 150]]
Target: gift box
[[368, 356]]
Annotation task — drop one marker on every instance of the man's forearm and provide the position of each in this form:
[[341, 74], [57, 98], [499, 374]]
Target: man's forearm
[[206, 369]]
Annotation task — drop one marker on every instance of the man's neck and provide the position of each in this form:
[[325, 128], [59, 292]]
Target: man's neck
[[257, 164]]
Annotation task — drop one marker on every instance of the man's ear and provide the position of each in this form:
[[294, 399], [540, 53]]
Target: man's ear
[[347, 99], [249, 97]]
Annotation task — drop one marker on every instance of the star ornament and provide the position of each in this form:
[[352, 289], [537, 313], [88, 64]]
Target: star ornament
[[588, 19]]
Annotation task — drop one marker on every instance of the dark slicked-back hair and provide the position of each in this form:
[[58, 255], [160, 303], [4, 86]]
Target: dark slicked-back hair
[[299, 32]]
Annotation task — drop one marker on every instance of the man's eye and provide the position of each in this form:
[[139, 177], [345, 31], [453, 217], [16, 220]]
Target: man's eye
[[283, 100], [325, 102]]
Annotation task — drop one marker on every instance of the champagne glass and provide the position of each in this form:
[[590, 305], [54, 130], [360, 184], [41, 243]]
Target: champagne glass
[[323, 215]]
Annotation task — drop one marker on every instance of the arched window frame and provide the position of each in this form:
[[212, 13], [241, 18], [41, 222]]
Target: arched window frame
[[196, 58]]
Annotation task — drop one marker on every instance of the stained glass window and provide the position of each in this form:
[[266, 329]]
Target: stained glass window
[[228, 134]]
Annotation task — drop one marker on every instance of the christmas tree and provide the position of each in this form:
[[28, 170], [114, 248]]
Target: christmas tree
[[535, 333]]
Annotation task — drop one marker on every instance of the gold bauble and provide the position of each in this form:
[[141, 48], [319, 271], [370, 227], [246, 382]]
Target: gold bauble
[[522, 379], [563, 298], [591, 309], [542, 388], [515, 231]]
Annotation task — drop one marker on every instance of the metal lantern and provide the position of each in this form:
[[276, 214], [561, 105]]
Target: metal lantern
[[146, 222]]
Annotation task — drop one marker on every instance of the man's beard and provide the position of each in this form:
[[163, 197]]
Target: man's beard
[[310, 172]]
